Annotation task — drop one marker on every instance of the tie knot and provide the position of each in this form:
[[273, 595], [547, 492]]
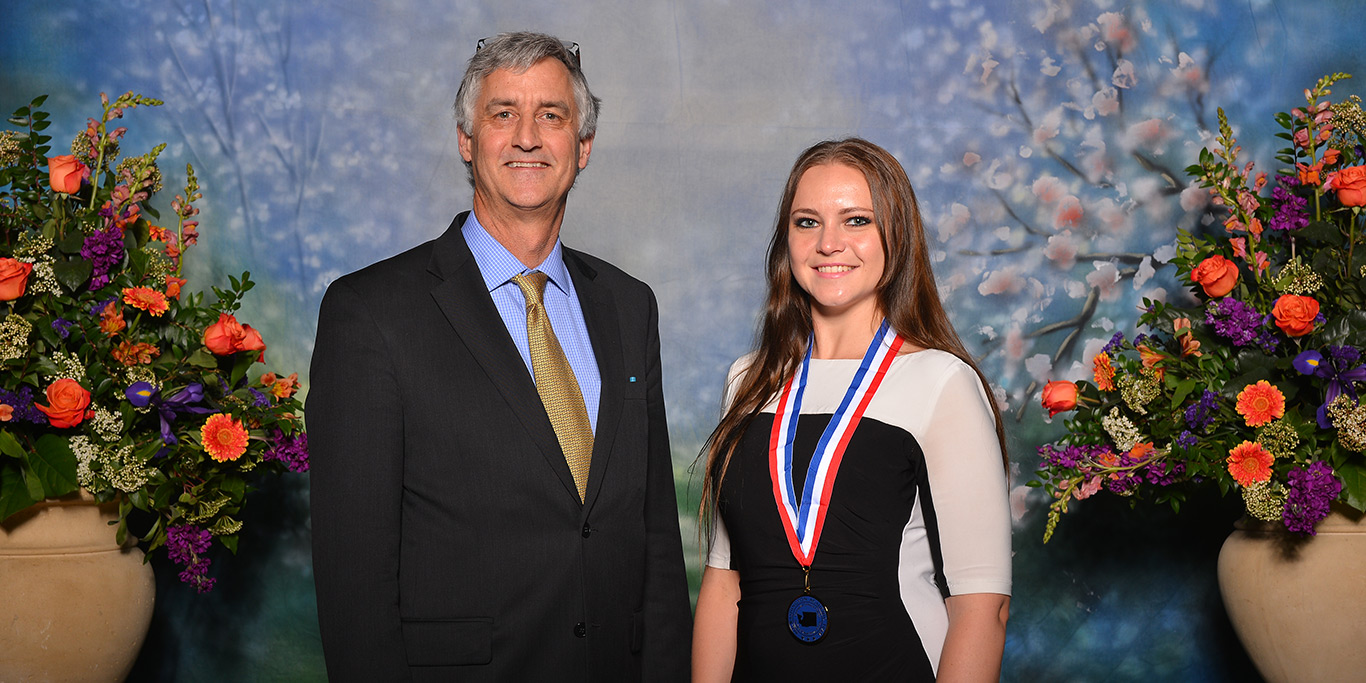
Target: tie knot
[[533, 286]]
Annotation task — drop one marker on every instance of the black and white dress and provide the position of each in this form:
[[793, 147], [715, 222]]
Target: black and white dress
[[919, 512]]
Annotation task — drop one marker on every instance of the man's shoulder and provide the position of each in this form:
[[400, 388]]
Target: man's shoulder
[[606, 274], [410, 268]]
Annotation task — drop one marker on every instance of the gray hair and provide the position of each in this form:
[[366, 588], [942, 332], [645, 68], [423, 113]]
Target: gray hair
[[518, 52]]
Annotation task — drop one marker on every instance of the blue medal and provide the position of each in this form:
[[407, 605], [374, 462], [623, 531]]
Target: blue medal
[[803, 520]]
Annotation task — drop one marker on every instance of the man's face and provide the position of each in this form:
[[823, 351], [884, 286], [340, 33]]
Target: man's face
[[525, 149]]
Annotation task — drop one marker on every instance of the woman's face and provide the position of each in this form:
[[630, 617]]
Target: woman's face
[[834, 242]]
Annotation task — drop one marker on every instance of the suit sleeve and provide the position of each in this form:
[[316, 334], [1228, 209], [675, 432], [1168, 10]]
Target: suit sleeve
[[355, 430], [668, 624]]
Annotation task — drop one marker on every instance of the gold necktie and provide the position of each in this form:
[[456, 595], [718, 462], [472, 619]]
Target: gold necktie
[[556, 384]]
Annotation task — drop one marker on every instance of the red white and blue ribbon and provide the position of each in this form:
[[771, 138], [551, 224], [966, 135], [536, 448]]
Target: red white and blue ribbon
[[803, 521]]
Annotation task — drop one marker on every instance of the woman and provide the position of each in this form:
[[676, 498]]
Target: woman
[[855, 488]]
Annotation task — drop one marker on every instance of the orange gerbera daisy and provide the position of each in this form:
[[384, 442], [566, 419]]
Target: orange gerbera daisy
[[145, 298], [1261, 403], [1249, 463], [224, 438], [1103, 372]]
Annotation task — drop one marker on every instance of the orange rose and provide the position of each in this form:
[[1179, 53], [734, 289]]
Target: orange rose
[[13, 278], [65, 173], [68, 402], [1217, 275], [1295, 314], [1350, 184], [229, 336], [1059, 396]]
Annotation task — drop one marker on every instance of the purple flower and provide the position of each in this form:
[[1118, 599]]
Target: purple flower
[[98, 309], [22, 403], [1116, 343], [259, 399], [104, 250], [1291, 213], [290, 450], [1186, 440], [1200, 415], [1311, 490], [1158, 473], [140, 394], [186, 544], [1234, 320], [1334, 369], [63, 327]]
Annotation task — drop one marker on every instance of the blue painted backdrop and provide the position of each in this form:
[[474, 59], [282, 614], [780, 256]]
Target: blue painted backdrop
[[1045, 139]]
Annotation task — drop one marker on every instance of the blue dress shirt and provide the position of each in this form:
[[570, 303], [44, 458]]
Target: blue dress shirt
[[497, 265]]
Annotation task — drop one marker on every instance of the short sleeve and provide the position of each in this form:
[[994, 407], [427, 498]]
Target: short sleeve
[[718, 548], [968, 480]]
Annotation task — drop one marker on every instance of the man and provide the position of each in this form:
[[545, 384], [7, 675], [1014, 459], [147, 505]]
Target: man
[[452, 538]]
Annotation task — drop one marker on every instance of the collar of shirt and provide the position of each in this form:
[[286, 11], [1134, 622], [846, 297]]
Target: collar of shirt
[[497, 265]]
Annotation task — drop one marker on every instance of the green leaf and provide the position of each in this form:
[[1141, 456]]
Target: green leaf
[[72, 273], [54, 464], [71, 244], [10, 446], [1183, 390], [1321, 231], [229, 542], [1353, 477], [201, 358], [13, 493]]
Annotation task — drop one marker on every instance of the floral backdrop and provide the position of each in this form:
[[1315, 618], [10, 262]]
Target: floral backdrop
[[1046, 139]]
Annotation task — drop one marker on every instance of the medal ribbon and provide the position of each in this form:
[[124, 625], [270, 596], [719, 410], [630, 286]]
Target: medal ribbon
[[802, 522]]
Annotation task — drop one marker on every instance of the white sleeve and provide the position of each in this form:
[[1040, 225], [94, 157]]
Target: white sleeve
[[968, 484], [718, 552]]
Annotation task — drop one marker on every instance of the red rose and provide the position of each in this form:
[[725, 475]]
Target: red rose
[[229, 336], [1295, 314], [67, 401], [13, 278], [65, 173], [1217, 275], [1059, 396], [1350, 184]]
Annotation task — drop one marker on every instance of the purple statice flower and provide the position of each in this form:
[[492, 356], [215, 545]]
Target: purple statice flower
[[63, 327], [259, 399], [1291, 213], [1200, 415], [1115, 345], [1266, 339], [1185, 440], [22, 403], [1234, 320], [98, 308], [1311, 489], [1343, 356], [290, 450], [1140, 339], [186, 544], [104, 250]]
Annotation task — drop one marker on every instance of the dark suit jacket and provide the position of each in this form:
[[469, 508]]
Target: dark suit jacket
[[449, 542]]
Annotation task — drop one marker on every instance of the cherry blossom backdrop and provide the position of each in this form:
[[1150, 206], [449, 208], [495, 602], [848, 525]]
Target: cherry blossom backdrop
[[1046, 140]]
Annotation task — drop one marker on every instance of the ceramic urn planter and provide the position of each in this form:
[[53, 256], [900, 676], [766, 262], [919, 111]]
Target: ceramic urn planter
[[76, 606], [1298, 603]]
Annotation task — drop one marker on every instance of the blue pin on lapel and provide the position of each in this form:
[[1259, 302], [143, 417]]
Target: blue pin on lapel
[[631, 379]]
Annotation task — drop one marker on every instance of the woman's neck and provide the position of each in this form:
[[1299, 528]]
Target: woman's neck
[[843, 336]]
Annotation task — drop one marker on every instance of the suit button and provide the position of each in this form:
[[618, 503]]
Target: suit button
[[580, 630], [587, 531]]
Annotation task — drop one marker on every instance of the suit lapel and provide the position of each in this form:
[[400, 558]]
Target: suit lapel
[[464, 300], [600, 316]]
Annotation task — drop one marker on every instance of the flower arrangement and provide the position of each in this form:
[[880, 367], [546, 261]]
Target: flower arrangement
[[1255, 386], [114, 377]]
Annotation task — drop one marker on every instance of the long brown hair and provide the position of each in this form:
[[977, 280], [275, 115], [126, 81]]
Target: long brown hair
[[906, 295]]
